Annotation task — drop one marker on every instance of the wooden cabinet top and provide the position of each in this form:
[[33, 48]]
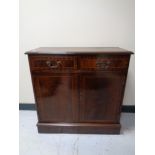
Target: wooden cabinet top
[[79, 50]]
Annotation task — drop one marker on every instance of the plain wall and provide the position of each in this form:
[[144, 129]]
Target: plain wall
[[74, 23]]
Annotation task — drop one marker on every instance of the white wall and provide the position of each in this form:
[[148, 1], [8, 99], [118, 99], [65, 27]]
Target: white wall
[[75, 23]]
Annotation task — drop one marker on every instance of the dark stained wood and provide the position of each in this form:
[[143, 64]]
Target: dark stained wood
[[82, 128], [79, 92], [100, 96], [56, 98], [54, 63], [104, 62], [79, 50]]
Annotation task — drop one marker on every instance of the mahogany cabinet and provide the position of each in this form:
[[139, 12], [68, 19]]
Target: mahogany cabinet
[[79, 90]]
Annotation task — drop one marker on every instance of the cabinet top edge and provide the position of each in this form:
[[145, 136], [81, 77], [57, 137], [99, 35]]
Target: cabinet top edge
[[79, 50]]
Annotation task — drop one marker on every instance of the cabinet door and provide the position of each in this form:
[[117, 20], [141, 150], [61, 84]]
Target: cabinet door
[[101, 96], [56, 97]]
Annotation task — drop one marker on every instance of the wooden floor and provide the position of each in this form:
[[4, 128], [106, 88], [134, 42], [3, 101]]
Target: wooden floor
[[32, 143]]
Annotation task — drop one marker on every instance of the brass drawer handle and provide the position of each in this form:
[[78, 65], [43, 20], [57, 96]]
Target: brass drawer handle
[[103, 65], [53, 64]]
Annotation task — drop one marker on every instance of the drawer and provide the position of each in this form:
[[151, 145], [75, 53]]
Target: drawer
[[103, 62], [52, 63]]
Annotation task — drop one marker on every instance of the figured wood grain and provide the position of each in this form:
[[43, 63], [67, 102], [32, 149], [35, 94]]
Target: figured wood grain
[[104, 62], [56, 95], [39, 62], [100, 96], [81, 94]]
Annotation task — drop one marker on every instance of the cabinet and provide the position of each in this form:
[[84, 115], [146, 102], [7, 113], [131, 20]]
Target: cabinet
[[79, 90]]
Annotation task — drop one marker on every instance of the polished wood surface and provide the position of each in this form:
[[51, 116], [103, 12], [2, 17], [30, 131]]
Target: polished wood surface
[[79, 93], [44, 62], [100, 95], [82, 128], [56, 98], [79, 50], [104, 62]]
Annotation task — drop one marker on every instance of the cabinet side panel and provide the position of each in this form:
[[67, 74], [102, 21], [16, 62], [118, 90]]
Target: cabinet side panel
[[34, 86]]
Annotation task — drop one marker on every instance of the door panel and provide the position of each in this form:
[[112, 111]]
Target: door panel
[[100, 96], [56, 98]]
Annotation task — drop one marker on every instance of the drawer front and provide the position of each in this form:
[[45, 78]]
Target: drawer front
[[52, 63], [103, 62]]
